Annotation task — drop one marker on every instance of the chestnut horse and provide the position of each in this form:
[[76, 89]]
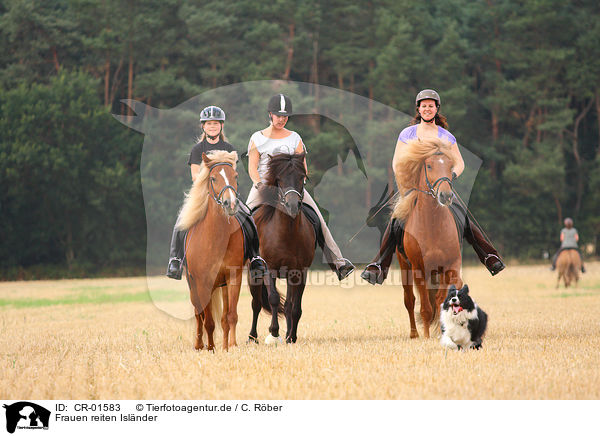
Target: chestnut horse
[[287, 243], [568, 265], [214, 247], [432, 257]]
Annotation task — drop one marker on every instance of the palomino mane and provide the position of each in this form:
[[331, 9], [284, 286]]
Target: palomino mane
[[267, 195], [408, 171], [196, 200]]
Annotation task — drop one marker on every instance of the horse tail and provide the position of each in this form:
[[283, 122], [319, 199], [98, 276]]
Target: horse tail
[[264, 300]]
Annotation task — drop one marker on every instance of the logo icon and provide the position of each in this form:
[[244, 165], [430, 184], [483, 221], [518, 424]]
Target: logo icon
[[26, 415]]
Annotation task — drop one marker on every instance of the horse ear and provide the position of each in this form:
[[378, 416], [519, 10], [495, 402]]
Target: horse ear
[[205, 158], [465, 288]]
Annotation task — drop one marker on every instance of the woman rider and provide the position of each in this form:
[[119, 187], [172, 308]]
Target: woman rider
[[429, 123], [569, 237], [277, 139], [212, 119]]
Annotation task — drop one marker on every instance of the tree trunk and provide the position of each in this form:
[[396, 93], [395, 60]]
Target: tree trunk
[[368, 198], [130, 81], [290, 52], [106, 80], [578, 160], [55, 59], [558, 209]]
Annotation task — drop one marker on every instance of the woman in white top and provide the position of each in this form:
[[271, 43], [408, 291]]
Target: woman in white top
[[277, 139]]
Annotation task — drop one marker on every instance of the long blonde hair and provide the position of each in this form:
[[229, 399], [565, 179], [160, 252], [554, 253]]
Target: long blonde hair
[[408, 170], [196, 200]]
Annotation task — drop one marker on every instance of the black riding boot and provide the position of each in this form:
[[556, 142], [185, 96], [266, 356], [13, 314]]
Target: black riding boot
[[485, 251], [176, 254], [377, 271], [257, 266]]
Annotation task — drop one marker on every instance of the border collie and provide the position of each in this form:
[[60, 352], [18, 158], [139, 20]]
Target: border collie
[[462, 322]]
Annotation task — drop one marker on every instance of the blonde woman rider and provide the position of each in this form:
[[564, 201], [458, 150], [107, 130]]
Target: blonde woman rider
[[212, 120], [274, 139], [428, 122]]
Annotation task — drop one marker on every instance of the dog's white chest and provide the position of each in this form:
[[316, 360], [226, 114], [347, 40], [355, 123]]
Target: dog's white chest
[[456, 331]]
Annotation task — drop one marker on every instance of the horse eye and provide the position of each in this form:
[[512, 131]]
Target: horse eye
[[428, 167]]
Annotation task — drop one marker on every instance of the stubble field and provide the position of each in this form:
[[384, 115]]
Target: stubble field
[[106, 339]]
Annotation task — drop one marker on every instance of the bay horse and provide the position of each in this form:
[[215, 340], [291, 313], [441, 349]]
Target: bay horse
[[432, 251], [287, 244], [568, 265], [214, 247]]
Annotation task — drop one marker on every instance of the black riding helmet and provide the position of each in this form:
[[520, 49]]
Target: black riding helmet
[[280, 105]]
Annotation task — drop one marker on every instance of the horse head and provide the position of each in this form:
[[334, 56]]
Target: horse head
[[437, 177], [222, 180], [287, 173]]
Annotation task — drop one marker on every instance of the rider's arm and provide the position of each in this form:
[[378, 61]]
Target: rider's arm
[[302, 149], [194, 169], [399, 146], [253, 158], [459, 167]]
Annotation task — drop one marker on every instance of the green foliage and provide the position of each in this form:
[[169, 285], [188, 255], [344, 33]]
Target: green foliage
[[518, 81]]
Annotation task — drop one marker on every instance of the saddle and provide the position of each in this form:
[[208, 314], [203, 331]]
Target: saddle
[[312, 218], [244, 218]]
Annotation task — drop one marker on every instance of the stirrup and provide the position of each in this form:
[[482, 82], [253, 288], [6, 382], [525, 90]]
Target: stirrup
[[344, 270], [368, 276], [175, 268], [496, 267]]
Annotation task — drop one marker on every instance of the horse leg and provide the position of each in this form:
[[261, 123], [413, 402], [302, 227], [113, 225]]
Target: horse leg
[[224, 323], [274, 303], [256, 292], [199, 320], [233, 291], [426, 309], [409, 295], [297, 283], [209, 325]]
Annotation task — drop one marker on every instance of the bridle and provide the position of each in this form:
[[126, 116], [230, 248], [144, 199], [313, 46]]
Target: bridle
[[219, 198], [433, 188], [283, 194]]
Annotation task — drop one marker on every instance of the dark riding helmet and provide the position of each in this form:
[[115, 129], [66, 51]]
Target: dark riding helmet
[[212, 113], [428, 94], [280, 105]]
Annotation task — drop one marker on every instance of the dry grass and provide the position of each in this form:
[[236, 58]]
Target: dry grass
[[104, 339]]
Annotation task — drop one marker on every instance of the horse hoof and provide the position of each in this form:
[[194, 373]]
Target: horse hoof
[[273, 340], [252, 340]]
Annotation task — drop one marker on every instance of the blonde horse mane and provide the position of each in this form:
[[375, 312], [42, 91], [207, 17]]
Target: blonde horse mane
[[408, 171], [196, 200]]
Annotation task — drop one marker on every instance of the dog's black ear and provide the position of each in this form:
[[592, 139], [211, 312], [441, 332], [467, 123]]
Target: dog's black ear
[[450, 289], [466, 289]]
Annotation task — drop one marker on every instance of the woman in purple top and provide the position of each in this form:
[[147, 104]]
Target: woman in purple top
[[428, 122]]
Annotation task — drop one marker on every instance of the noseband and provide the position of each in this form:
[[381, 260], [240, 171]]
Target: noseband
[[219, 198], [283, 194]]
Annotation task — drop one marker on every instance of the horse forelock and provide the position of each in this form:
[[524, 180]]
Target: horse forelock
[[267, 195], [409, 166], [196, 200]]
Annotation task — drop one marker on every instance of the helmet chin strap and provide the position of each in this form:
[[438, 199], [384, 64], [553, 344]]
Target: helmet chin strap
[[212, 138]]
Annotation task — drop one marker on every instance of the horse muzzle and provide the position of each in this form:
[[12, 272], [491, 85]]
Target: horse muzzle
[[445, 198], [231, 207]]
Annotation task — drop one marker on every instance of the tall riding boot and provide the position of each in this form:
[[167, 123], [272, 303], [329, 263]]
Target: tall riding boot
[[176, 254], [485, 251], [341, 266], [553, 267], [257, 266], [377, 271]]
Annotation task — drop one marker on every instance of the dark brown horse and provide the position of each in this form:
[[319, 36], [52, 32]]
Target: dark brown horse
[[287, 243], [214, 247], [431, 243]]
